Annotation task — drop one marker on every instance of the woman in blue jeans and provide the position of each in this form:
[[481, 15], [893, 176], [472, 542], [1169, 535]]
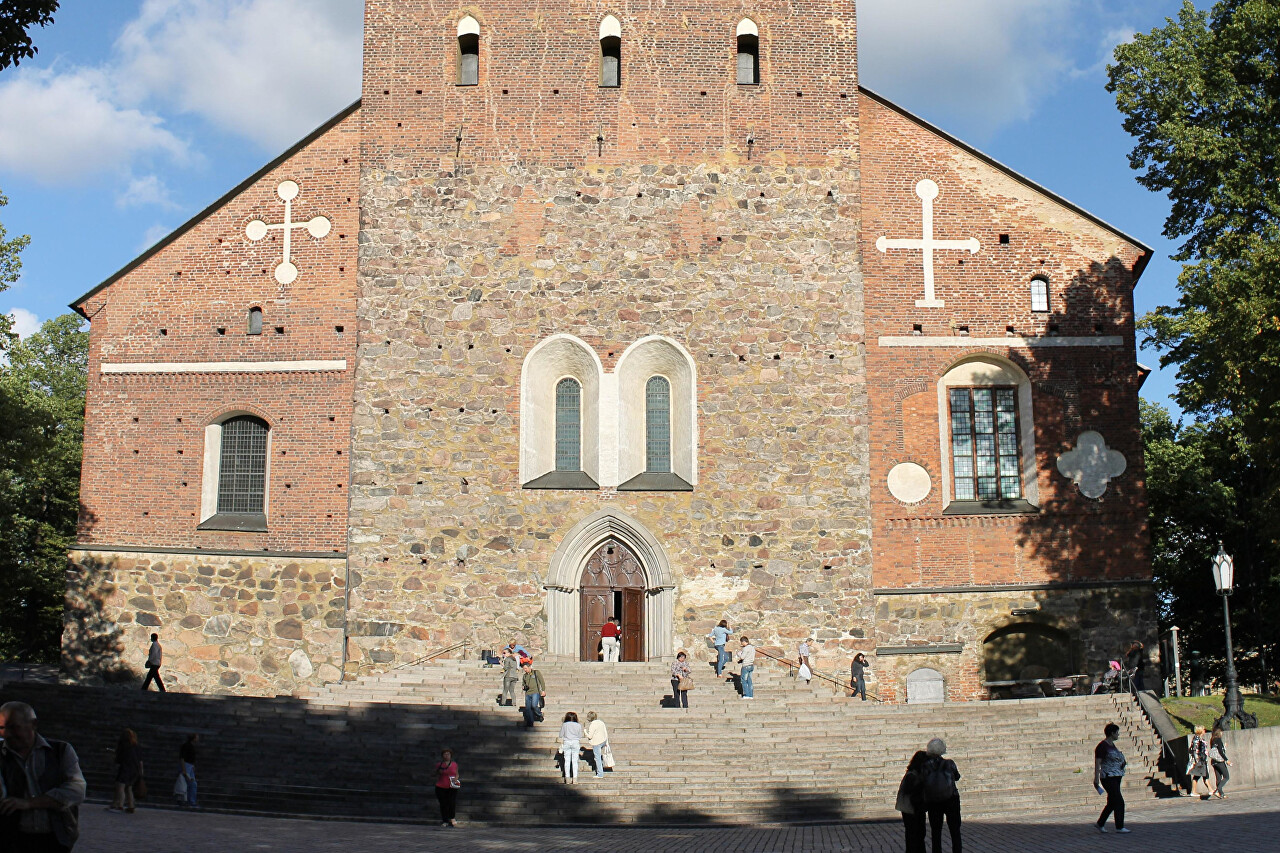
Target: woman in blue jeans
[[719, 638], [747, 658]]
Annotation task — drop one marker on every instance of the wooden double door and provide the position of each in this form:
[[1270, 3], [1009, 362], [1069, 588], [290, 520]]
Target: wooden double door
[[613, 584]]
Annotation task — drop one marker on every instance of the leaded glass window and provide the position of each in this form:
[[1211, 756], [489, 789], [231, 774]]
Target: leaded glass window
[[657, 425], [242, 471], [568, 425], [984, 444]]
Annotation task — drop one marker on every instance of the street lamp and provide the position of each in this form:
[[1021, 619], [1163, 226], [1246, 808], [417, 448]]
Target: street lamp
[[1223, 577]]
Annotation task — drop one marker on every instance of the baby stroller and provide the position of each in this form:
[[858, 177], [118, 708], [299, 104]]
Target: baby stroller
[[1109, 681]]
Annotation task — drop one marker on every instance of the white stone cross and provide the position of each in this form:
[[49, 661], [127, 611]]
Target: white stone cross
[[317, 227], [928, 191]]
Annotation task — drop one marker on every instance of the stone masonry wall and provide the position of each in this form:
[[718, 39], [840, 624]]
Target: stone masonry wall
[[259, 625]]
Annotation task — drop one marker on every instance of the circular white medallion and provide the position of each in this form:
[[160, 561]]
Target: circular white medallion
[[318, 227], [287, 190], [927, 190], [256, 229], [909, 482], [286, 273]]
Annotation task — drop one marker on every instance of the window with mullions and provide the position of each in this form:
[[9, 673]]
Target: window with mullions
[[657, 425], [242, 474], [984, 444], [568, 425]]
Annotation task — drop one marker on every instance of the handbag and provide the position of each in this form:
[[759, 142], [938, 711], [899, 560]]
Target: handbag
[[454, 782], [140, 789], [686, 683], [606, 757], [180, 787]]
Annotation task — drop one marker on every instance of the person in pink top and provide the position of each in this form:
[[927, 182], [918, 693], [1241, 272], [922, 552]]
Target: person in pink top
[[447, 785]]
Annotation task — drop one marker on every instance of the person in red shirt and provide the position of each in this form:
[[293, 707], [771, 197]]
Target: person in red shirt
[[610, 635], [447, 785]]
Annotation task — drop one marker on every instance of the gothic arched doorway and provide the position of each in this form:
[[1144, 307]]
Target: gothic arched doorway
[[613, 584]]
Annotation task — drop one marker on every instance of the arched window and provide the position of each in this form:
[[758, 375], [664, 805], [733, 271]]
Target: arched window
[[568, 425], [610, 53], [255, 321], [657, 425], [1040, 294], [468, 52], [748, 53], [234, 492]]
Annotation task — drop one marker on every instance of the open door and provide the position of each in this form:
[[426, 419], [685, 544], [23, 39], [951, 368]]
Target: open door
[[633, 624], [612, 585]]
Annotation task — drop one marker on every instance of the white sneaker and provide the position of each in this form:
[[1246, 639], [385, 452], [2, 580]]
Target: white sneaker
[[1102, 828], [1122, 830]]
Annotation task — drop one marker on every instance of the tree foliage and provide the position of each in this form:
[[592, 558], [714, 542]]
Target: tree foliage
[[17, 17], [1201, 96]]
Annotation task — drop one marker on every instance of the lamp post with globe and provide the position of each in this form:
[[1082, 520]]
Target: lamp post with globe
[[1223, 578]]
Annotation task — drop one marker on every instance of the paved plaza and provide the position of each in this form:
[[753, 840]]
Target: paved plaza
[[1246, 822]]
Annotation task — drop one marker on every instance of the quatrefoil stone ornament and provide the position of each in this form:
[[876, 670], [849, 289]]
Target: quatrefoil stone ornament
[[1091, 465]]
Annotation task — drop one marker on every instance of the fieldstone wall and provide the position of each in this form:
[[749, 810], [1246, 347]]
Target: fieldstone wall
[[751, 267], [1100, 621], [257, 625]]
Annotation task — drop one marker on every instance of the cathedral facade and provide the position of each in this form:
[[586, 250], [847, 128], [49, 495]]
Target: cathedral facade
[[586, 312]]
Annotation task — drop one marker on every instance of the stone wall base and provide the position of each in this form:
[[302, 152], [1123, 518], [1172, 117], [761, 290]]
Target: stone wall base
[[256, 625]]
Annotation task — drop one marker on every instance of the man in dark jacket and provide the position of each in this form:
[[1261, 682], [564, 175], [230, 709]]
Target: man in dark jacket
[[43, 786], [941, 797], [535, 691]]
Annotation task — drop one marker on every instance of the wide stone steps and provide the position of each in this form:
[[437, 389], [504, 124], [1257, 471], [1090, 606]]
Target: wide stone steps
[[367, 748]]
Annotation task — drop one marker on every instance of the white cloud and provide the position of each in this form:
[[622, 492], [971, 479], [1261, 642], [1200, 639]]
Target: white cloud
[[146, 190], [153, 235], [268, 70], [979, 64], [61, 126], [24, 322]]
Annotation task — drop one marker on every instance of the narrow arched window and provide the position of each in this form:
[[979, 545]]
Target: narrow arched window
[[468, 52], [1040, 294], [255, 321], [657, 425], [568, 425], [610, 52], [242, 467], [748, 53]]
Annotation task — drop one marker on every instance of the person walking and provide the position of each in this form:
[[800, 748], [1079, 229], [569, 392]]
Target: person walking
[[857, 676], [187, 755], [941, 797], [911, 801], [1198, 755], [155, 655], [1108, 773], [447, 784], [128, 771], [510, 677], [570, 746], [598, 741], [802, 655], [535, 693], [1136, 660], [1218, 758], [41, 784], [747, 665], [610, 637], [681, 680], [719, 638]]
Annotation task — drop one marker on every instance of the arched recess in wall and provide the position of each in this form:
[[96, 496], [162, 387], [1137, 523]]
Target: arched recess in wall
[[926, 686], [554, 359], [748, 56], [648, 357], [235, 483], [610, 52], [565, 573], [468, 52], [1027, 650], [985, 418]]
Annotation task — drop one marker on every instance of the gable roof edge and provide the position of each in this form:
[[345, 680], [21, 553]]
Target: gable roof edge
[[222, 200], [1146, 250]]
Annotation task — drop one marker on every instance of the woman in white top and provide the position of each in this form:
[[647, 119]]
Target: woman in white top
[[570, 746], [598, 740]]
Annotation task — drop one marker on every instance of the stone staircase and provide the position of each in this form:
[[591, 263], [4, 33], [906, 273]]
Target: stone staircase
[[367, 748]]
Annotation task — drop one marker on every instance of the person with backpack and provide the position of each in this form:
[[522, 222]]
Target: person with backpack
[[1108, 773], [911, 801], [535, 693], [941, 798]]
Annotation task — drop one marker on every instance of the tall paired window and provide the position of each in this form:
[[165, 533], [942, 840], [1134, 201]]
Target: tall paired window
[[748, 53], [610, 53], [657, 425], [468, 52], [984, 443], [568, 425], [242, 474]]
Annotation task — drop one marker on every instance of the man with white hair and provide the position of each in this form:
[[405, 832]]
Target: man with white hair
[[941, 797], [43, 786]]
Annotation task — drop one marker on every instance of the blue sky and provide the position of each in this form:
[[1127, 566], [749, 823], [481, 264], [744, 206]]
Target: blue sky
[[136, 114]]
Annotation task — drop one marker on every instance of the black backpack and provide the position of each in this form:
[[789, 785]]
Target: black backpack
[[939, 785]]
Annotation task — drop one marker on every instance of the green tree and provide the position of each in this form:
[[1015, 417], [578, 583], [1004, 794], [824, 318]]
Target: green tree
[[16, 18], [42, 392], [1201, 96]]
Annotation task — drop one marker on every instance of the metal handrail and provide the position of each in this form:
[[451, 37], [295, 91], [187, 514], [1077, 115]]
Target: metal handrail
[[363, 666], [790, 666]]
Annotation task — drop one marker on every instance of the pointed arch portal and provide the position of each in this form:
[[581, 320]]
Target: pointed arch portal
[[588, 581]]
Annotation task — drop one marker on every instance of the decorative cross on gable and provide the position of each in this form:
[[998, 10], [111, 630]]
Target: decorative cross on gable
[[317, 227], [928, 191]]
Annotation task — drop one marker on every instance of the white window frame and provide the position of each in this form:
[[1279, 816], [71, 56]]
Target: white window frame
[[213, 464]]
